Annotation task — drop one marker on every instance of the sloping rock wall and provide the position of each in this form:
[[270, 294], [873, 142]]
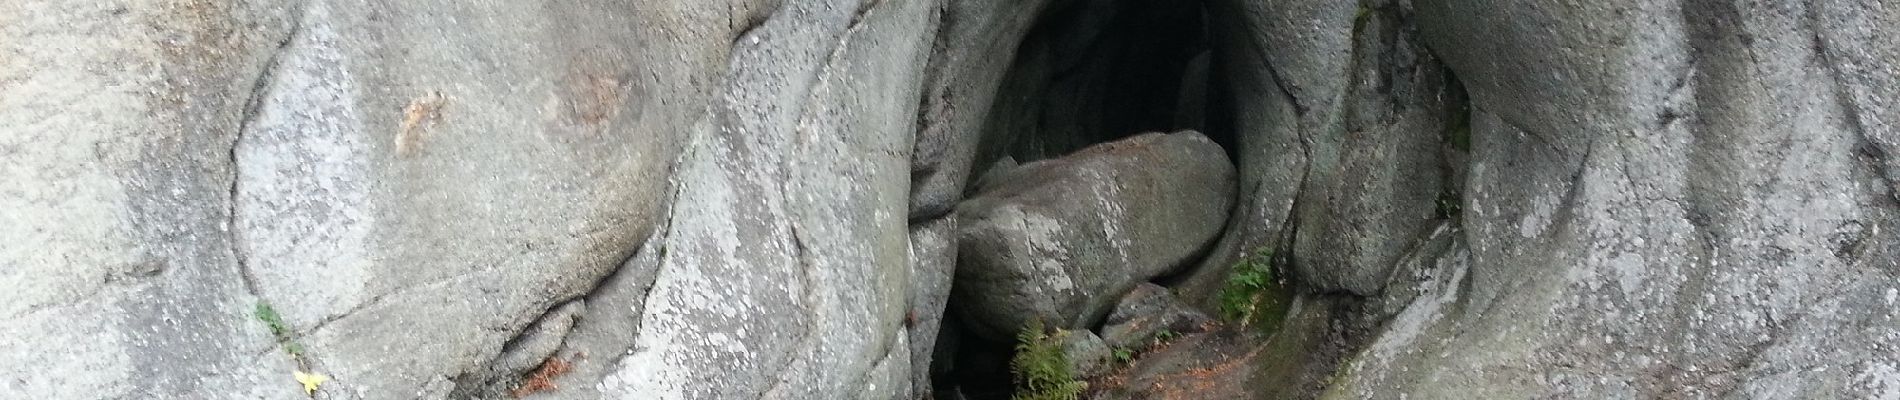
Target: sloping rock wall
[[755, 198], [1686, 200], [377, 170]]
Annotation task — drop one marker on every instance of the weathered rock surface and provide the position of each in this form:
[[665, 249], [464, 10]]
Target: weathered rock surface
[[1087, 354], [315, 156], [1036, 79], [1370, 185], [933, 263], [1148, 311], [1343, 117], [754, 198], [373, 171], [1234, 362], [1688, 201], [975, 47], [785, 272], [1286, 65], [1062, 239]]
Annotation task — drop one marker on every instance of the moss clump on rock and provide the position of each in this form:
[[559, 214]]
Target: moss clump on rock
[[278, 329]]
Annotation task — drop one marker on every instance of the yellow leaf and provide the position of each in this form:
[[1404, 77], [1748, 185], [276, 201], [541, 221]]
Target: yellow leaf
[[309, 381]]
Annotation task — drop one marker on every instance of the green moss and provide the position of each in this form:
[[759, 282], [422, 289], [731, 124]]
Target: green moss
[[265, 313], [1450, 205], [1254, 296], [1041, 367]]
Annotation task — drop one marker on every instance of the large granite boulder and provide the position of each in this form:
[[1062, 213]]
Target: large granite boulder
[[1061, 239], [365, 170], [374, 170]]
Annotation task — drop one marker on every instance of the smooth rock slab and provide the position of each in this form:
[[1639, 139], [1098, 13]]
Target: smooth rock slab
[[1062, 239]]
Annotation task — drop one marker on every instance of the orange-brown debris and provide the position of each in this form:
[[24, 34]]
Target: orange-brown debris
[[543, 378]]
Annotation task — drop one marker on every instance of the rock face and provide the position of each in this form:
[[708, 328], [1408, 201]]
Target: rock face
[[1145, 313], [1687, 200], [315, 157], [978, 42], [1693, 199], [1086, 353], [376, 170], [1343, 119], [778, 199], [933, 262], [1062, 239], [1037, 79]]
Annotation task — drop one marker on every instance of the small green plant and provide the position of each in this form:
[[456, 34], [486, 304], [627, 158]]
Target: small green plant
[[1041, 368], [1248, 278], [1449, 205], [1123, 355], [1254, 295], [264, 312], [1166, 335]]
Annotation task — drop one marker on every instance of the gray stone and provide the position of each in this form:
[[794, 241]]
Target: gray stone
[[1235, 363], [602, 333], [1370, 189], [451, 188], [785, 271], [1286, 66], [344, 163], [1145, 313], [995, 173], [1685, 200], [1342, 117], [115, 201], [974, 48], [753, 198], [413, 185], [933, 263], [1040, 78], [533, 347], [1303, 46], [1088, 356], [1061, 239]]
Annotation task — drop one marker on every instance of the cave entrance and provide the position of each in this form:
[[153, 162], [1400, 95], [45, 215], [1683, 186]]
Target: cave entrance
[[1094, 71], [1087, 72]]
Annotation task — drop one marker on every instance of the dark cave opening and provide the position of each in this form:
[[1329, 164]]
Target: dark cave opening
[[1095, 71], [1087, 72]]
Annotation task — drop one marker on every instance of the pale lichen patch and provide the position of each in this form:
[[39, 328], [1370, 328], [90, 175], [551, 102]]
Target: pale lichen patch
[[421, 112]]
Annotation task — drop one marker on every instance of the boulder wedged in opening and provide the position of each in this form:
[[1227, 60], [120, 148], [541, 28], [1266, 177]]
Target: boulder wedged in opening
[[1060, 240]]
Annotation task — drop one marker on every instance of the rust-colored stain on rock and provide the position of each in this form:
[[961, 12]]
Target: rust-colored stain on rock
[[421, 111]]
